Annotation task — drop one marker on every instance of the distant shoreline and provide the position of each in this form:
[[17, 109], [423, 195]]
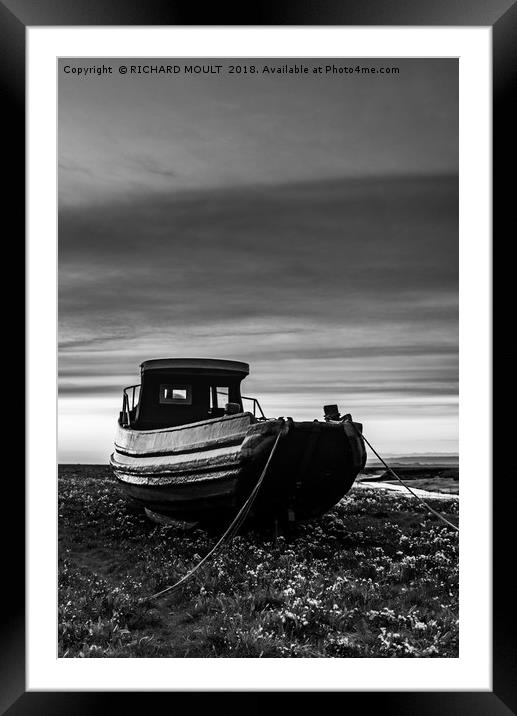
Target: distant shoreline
[[432, 460]]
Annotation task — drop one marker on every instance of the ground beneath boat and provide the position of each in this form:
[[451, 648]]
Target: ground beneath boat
[[377, 576]]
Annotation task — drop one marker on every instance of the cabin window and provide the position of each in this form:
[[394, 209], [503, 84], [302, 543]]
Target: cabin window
[[219, 396], [222, 396], [175, 394]]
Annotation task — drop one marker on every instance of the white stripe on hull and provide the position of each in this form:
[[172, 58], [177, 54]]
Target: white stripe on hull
[[175, 462]]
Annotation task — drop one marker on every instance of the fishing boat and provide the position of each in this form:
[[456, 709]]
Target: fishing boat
[[187, 448]]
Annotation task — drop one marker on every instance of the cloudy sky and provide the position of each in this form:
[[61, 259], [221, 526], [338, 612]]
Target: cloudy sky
[[305, 224]]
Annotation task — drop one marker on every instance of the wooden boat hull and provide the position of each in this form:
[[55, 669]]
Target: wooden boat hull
[[205, 471]]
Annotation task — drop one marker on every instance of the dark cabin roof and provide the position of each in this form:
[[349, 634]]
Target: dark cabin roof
[[203, 366]]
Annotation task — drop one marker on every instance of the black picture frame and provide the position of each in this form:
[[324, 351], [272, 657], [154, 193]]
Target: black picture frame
[[501, 15]]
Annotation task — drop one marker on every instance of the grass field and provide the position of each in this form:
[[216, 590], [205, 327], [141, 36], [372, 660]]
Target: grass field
[[375, 577]]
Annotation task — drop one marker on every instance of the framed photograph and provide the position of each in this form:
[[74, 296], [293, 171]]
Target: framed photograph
[[259, 351]]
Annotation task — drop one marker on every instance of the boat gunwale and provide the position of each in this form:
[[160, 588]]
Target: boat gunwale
[[186, 426]]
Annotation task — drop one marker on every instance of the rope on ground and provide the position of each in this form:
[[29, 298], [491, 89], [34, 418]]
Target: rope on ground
[[232, 529], [441, 517]]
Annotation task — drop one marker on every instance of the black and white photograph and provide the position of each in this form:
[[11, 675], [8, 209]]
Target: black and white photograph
[[258, 357]]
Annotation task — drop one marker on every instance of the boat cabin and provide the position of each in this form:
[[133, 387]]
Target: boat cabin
[[177, 391]]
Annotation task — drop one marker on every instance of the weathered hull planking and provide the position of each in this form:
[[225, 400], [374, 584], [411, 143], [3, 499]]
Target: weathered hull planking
[[204, 471]]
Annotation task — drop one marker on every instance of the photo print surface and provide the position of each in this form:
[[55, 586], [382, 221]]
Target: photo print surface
[[282, 234]]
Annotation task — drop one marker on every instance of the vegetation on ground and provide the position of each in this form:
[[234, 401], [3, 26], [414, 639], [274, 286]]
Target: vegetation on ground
[[377, 576]]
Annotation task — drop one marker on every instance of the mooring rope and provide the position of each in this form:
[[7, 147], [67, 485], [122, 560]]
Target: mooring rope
[[232, 529], [441, 517]]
